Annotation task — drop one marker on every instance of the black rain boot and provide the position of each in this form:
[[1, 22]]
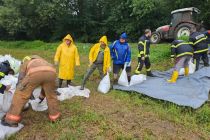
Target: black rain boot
[[115, 82], [82, 87], [60, 83], [149, 73], [68, 82], [129, 79]]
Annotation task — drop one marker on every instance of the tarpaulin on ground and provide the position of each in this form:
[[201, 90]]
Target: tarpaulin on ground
[[189, 91]]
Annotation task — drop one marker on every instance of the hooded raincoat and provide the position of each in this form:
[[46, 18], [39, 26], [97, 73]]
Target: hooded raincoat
[[94, 53], [68, 57]]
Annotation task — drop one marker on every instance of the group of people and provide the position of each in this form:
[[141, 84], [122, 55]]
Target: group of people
[[184, 50], [35, 71]]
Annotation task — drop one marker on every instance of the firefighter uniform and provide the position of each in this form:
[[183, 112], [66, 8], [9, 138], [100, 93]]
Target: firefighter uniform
[[199, 40], [183, 52], [34, 72], [144, 52], [4, 70]]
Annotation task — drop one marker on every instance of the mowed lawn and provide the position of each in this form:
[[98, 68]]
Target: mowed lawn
[[116, 115]]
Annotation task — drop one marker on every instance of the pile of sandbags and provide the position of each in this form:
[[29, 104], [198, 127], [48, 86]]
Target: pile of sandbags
[[14, 63]]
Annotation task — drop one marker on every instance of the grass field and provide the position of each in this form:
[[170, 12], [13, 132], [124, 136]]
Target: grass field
[[117, 115]]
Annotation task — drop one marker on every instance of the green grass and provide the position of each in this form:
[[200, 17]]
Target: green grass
[[117, 115]]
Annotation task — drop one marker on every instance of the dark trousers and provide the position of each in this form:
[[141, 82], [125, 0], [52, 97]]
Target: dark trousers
[[141, 64], [92, 68], [198, 56]]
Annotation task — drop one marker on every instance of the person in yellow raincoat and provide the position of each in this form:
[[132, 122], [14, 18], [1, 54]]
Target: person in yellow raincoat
[[67, 57], [99, 58]]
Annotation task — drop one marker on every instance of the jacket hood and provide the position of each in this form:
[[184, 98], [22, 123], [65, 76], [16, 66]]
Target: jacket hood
[[124, 36], [68, 37], [104, 39]]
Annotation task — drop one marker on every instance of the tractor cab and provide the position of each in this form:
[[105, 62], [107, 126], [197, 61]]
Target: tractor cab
[[182, 20]]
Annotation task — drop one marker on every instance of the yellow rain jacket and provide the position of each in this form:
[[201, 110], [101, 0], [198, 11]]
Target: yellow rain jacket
[[68, 57], [94, 53]]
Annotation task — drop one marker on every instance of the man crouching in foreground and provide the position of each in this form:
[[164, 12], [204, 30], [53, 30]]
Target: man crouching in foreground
[[34, 72]]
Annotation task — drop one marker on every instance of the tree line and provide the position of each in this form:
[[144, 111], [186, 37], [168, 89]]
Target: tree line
[[87, 20]]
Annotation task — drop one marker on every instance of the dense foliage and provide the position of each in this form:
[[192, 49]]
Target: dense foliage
[[86, 20]]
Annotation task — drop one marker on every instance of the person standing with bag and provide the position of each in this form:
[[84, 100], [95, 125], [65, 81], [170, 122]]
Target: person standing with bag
[[121, 56], [99, 57]]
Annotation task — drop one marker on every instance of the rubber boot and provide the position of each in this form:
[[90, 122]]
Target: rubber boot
[[137, 72], [129, 79], [174, 77], [68, 82], [60, 83], [149, 73], [115, 82], [186, 71], [82, 87]]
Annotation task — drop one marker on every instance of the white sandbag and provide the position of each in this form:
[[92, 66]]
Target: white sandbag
[[71, 91], [123, 80], [8, 95], [137, 79], [2, 113], [104, 85], [36, 106], [37, 92], [7, 101], [191, 68], [1, 100], [6, 131], [83, 93], [14, 63], [10, 80]]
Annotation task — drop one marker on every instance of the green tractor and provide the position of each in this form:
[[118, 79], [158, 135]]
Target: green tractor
[[181, 23]]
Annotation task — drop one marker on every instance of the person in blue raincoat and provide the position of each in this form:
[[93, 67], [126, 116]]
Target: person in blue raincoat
[[121, 56]]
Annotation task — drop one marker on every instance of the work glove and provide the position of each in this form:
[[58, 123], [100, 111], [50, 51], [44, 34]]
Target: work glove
[[127, 64]]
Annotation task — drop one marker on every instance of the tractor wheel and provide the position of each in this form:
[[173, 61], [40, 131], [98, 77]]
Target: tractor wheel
[[155, 38], [183, 30]]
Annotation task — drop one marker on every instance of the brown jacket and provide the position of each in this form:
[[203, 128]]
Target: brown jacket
[[36, 64]]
